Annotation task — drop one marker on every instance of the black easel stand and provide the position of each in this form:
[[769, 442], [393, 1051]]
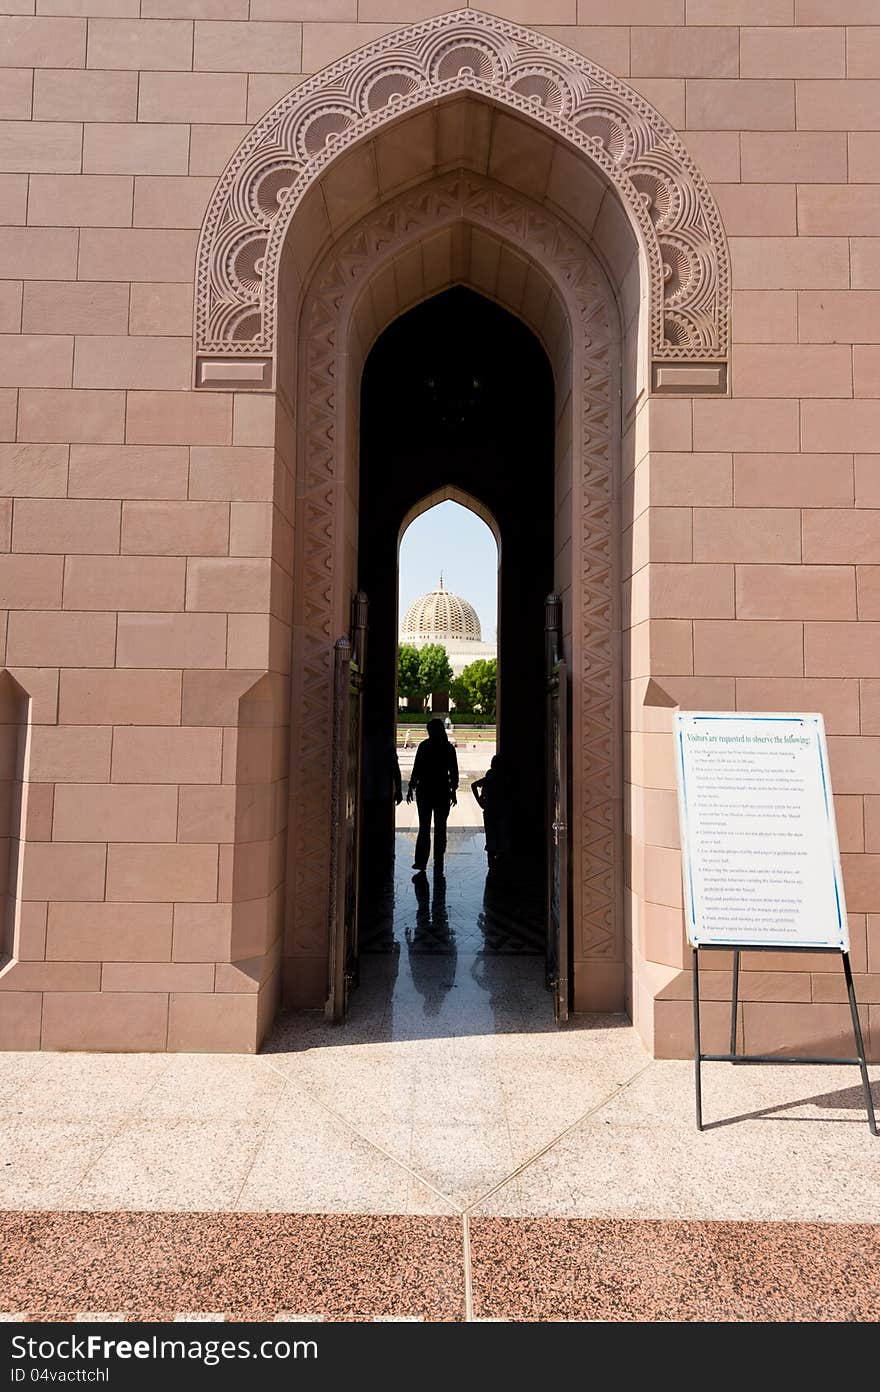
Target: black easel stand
[[734, 1057]]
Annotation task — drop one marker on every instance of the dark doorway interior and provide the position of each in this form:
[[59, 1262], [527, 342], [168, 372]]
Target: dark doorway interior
[[459, 393]]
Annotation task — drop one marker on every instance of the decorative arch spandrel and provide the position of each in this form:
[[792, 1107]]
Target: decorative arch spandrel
[[637, 152]]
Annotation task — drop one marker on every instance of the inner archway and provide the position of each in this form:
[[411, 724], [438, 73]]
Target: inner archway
[[458, 393], [498, 449], [457, 402], [448, 577]]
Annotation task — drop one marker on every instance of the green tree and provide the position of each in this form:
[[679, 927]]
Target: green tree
[[409, 683], [435, 673], [460, 693], [480, 680]]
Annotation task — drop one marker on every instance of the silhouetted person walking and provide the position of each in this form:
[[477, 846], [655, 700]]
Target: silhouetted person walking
[[493, 796], [433, 781]]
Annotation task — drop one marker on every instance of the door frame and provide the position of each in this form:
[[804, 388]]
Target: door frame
[[579, 325]]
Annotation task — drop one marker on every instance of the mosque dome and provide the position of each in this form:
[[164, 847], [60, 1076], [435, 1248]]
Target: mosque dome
[[439, 617]]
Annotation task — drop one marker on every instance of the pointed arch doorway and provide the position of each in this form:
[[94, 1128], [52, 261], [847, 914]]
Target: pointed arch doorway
[[457, 402], [465, 151], [464, 231], [495, 446]]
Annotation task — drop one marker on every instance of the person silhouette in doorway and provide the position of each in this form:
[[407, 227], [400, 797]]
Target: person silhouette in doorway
[[433, 783], [381, 791], [493, 796]]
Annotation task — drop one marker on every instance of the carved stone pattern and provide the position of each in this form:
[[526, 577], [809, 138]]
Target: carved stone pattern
[[597, 696], [466, 51], [596, 689]]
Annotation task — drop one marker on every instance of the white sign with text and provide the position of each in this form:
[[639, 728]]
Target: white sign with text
[[760, 859]]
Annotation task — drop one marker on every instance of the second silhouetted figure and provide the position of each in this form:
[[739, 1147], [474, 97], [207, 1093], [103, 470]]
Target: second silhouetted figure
[[433, 781]]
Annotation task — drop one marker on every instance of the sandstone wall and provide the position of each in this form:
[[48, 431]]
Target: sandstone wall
[[147, 528]]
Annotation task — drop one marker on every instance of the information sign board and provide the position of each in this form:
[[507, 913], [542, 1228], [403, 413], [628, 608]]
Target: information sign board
[[760, 859]]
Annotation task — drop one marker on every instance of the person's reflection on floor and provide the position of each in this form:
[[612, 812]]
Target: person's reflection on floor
[[512, 918], [492, 919], [495, 914], [431, 944]]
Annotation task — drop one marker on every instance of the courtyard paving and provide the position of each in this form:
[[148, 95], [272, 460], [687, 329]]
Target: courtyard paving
[[447, 1153]]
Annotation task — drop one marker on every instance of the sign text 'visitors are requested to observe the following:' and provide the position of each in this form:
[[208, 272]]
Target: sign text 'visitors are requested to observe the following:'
[[761, 864]]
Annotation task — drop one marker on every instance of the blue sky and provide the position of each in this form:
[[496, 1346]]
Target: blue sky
[[453, 539]]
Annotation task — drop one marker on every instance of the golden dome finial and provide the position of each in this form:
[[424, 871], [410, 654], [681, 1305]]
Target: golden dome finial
[[441, 579]]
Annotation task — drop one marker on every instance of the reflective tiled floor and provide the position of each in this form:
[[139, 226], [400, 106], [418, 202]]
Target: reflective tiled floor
[[451, 954], [468, 909], [450, 1015]]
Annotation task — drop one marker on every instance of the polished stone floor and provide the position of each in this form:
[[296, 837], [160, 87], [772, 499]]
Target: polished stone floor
[[467, 911], [448, 1091], [447, 1153]]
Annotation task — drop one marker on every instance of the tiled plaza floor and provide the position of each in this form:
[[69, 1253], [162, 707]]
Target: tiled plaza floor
[[447, 1153], [81, 1266]]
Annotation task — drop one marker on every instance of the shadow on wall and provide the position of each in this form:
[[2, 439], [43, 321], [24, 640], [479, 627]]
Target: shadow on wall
[[259, 836], [14, 708]]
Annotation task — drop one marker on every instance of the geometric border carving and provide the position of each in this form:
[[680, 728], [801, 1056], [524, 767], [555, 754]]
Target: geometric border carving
[[573, 275], [666, 198]]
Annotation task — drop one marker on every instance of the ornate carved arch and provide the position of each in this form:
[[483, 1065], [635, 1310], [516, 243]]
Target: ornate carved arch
[[584, 299], [640, 156]]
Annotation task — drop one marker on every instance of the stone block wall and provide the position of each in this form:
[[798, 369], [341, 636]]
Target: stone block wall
[[146, 529]]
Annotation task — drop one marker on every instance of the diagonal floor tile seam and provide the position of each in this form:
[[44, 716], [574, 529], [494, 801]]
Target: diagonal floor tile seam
[[23, 1081], [458, 1208], [126, 1121], [566, 1131], [303, 1090], [161, 1074], [463, 1077], [288, 1085], [114, 1134]]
